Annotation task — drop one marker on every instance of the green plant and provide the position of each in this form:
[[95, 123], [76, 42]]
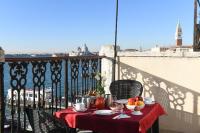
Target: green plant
[[100, 84]]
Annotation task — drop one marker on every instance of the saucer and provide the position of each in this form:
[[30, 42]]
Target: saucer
[[149, 103], [137, 113]]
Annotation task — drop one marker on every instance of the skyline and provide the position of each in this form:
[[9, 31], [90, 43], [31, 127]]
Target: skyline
[[63, 25]]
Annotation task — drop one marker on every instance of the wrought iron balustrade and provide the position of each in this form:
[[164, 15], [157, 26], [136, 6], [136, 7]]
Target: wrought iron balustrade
[[49, 83]]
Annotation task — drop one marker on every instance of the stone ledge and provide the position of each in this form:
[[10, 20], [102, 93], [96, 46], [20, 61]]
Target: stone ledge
[[160, 54]]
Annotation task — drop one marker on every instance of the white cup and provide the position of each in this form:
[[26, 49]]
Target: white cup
[[79, 106], [148, 100]]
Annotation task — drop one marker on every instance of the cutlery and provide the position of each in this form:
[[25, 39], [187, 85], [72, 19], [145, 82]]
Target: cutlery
[[116, 117], [121, 116]]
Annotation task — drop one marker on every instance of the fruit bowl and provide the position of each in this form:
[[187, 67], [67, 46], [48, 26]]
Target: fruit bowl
[[137, 101], [130, 107]]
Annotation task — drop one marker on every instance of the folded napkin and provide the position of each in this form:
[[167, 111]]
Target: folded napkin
[[121, 116]]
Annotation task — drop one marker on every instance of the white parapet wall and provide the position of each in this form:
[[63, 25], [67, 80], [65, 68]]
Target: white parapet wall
[[171, 78], [107, 65]]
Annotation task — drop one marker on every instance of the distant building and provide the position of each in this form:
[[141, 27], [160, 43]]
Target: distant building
[[59, 55], [131, 50], [81, 51], [159, 49], [178, 35]]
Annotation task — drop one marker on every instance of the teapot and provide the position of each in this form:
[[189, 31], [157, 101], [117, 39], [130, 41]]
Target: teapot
[[108, 100], [86, 100]]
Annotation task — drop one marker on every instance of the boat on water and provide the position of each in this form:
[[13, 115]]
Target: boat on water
[[29, 95]]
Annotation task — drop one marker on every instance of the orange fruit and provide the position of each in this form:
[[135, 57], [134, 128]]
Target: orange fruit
[[139, 103]]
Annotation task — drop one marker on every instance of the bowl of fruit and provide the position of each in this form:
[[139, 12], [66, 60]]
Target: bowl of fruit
[[135, 101]]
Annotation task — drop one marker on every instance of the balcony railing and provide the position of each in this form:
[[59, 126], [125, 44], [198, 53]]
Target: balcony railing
[[50, 83]]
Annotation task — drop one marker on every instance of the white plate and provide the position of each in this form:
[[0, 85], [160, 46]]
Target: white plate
[[137, 113], [79, 110], [103, 112], [149, 103], [123, 101]]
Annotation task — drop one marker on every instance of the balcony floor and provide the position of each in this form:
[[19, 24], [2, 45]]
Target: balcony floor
[[168, 131], [87, 131]]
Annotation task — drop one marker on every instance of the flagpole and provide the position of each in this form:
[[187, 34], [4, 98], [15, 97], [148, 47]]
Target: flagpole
[[115, 47]]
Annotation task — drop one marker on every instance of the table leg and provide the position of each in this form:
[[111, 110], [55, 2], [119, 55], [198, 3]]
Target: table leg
[[149, 130], [72, 130], [155, 126]]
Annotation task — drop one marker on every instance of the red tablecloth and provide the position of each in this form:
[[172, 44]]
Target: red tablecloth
[[105, 124]]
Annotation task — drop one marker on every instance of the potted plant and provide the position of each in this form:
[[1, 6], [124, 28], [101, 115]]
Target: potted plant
[[100, 84], [100, 101]]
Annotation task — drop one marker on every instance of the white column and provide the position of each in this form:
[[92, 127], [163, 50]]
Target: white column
[[107, 64]]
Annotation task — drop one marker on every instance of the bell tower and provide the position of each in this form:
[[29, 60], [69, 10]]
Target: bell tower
[[178, 35]]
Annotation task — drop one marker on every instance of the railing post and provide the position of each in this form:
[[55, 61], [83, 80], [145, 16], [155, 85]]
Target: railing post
[[66, 83], [2, 104]]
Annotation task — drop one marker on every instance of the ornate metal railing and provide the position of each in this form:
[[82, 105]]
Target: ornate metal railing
[[54, 82]]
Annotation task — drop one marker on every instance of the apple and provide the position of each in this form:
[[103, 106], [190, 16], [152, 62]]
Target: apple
[[131, 101], [136, 98], [139, 98]]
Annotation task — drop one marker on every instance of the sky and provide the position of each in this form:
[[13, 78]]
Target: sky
[[63, 25]]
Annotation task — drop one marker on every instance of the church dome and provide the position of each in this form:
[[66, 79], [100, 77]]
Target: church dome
[[84, 48]]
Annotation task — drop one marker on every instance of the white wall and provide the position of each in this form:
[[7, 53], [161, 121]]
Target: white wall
[[174, 81]]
